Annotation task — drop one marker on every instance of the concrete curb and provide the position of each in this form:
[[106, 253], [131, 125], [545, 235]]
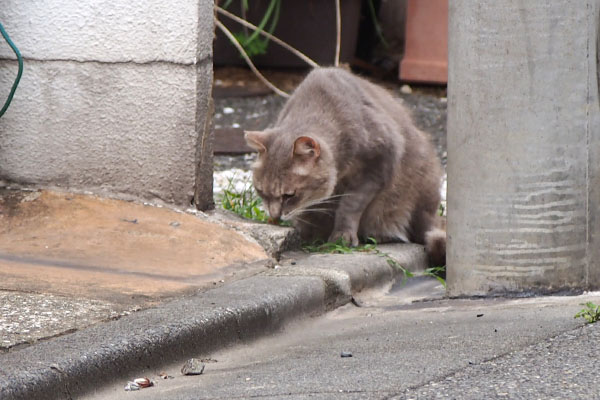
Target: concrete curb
[[244, 310]]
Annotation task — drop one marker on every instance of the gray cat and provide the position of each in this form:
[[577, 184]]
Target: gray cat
[[344, 160]]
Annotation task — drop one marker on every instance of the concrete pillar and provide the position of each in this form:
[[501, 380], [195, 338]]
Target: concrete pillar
[[114, 99], [523, 147]]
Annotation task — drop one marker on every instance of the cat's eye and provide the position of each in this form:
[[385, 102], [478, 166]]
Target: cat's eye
[[287, 196]]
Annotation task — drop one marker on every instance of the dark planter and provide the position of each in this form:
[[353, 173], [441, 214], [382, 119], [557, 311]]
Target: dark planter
[[307, 25]]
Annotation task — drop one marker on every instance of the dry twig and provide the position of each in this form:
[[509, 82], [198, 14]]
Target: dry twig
[[260, 76], [338, 27]]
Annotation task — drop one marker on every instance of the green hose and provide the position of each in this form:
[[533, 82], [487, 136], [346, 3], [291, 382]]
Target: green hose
[[20, 60]]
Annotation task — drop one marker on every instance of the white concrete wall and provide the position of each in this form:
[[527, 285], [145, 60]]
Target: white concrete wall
[[523, 147], [114, 95]]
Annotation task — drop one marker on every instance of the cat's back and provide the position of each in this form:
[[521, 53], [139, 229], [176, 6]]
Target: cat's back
[[336, 95]]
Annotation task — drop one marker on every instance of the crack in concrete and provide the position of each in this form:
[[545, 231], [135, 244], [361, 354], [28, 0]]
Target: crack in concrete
[[197, 62]]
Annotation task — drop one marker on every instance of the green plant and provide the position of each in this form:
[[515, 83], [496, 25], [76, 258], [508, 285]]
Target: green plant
[[340, 246], [437, 273], [252, 43], [244, 202], [441, 210], [591, 313]]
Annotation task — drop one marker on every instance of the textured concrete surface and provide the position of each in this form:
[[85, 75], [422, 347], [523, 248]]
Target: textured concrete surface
[[114, 98], [193, 324], [404, 347], [119, 32], [28, 317], [274, 239], [523, 130], [117, 128], [68, 261]]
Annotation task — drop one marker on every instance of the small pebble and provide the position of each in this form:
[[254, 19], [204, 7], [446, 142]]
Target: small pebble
[[164, 375], [346, 354], [193, 366], [228, 110], [406, 89], [174, 224]]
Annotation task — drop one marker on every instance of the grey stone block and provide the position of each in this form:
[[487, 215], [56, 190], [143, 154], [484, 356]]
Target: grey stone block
[[114, 99], [523, 134], [119, 31]]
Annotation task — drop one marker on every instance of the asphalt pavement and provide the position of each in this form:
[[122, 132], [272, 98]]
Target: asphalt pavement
[[408, 343]]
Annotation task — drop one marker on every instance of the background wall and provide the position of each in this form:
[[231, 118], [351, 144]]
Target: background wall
[[114, 96]]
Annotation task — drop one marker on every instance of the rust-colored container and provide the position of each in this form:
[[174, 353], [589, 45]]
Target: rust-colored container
[[426, 48]]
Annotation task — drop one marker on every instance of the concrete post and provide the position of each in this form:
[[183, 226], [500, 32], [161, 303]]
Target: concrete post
[[115, 97], [523, 147]]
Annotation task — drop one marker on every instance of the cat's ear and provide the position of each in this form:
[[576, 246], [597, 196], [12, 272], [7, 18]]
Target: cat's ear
[[307, 147], [257, 140]]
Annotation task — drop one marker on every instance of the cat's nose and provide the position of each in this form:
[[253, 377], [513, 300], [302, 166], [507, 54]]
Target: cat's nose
[[275, 210]]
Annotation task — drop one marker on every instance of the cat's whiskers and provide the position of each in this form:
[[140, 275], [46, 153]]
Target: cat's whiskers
[[304, 221], [309, 206], [325, 200]]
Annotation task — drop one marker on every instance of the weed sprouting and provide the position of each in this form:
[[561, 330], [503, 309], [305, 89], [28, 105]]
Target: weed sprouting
[[340, 246], [591, 312], [244, 202]]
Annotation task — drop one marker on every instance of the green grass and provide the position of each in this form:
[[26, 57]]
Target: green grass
[[338, 247], [591, 312], [342, 247]]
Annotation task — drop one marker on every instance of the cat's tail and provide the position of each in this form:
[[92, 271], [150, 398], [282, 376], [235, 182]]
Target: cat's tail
[[435, 245]]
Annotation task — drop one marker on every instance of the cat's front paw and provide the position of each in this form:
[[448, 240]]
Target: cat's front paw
[[347, 236]]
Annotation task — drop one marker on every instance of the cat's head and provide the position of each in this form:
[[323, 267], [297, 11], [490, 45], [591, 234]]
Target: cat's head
[[291, 172]]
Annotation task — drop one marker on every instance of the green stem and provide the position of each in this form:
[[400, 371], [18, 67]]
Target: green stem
[[262, 24], [376, 23]]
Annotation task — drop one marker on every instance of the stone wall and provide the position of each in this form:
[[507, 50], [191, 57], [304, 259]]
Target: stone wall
[[114, 98]]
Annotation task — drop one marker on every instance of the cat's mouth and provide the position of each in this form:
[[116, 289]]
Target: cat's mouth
[[273, 221]]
